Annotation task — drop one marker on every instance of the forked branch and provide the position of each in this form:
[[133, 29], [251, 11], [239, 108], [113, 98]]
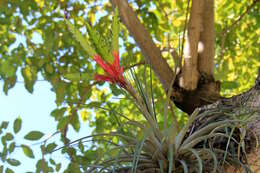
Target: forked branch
[[151, 52]]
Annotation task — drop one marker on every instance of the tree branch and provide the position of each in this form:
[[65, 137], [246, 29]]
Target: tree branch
[[151, 52], [241, 16], [207, 40], [190, 75]]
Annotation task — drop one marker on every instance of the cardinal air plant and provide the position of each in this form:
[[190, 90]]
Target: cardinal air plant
[[195, 147]]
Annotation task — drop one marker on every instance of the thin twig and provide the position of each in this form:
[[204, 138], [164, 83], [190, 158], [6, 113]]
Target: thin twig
[[134, 65], [241, 16], [184, 29], [43, 159], [230, 27]]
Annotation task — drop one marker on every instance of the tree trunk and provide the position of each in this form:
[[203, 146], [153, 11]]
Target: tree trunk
[[190, 75], [207, 40]]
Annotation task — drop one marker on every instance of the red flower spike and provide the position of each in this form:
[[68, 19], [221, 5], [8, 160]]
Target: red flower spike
[[113, 72]]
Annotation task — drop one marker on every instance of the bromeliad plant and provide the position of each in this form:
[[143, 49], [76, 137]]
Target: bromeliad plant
[[113, 72], [196, 147]]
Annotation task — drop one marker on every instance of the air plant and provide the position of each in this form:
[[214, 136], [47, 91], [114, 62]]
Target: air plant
[[208, 141]]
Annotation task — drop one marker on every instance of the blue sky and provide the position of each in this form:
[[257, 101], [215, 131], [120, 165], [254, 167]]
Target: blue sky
[[34, 110]]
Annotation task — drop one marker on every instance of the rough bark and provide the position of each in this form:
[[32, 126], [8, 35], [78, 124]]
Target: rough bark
[[190, 75], [244, 104], [250, 100], [151, 52]]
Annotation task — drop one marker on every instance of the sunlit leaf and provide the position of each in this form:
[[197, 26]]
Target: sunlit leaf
[[50, 147], [81, 39], [17, 125], [8, 170], [27, 151], [9, 136], [115, 31], [34, 135], [13, 162], [11, 147]]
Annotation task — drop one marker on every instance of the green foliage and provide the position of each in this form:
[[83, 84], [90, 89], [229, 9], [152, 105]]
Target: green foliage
[[27, 151], [100, 43], [50, 147], [30, 75], [17, 125], [83, 41], [34, 135], [13, 162], [115, 31]]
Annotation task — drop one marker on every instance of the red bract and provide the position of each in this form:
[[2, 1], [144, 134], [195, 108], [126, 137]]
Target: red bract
[[113, 72]]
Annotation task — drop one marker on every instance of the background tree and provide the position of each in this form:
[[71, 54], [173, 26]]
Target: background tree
[[192, 42]]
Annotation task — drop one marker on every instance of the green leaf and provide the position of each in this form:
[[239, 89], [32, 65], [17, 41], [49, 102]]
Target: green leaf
[[75, 122], [60, 90], [138, 150], [100, 43], [115, 90], [13, 162], [85, 115], [62, 123], [9, 83], [43, 165], [196, 154], [182, 133], [58, 166], [9, 136], [93, 104], [49, 68], [34, 135], [17, 125], [3, 140], [27, 151], [52, 161], [229, 84], [74, 167], [184, 165], [4, 124], [77, 77], [11, 147], [171, 155], [7, 68], [50, 147], [8, 170], [30, 75], [81, 39], [81, 146], [115, 31], [58, 113]]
